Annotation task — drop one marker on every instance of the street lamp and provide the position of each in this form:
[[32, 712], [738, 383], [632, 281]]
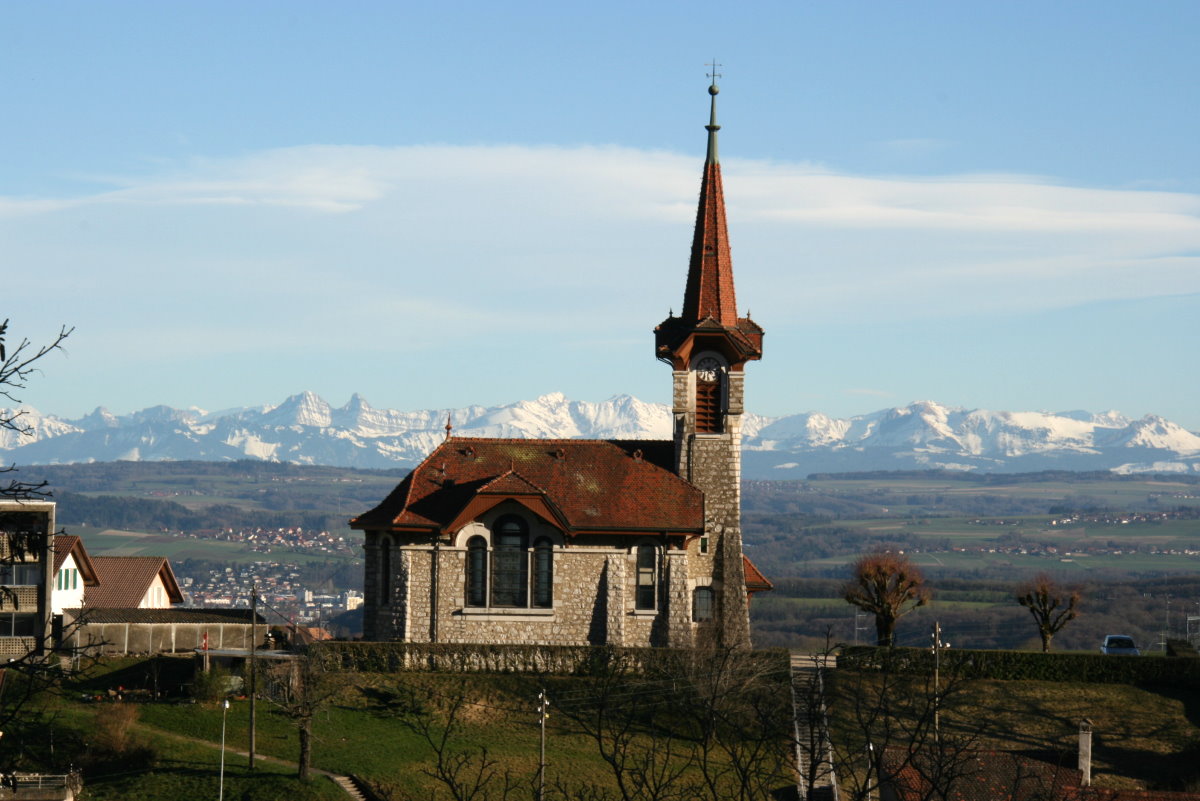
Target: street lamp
[[221, 785]]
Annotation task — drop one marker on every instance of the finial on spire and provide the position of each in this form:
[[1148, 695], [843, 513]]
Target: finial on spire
[[712, 126], [449, 425]]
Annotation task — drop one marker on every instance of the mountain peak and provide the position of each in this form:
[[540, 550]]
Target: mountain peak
[[923, 434]]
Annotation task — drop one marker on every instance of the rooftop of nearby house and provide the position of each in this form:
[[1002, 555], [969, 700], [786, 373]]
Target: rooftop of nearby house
[[122, 581], [1001, 776]]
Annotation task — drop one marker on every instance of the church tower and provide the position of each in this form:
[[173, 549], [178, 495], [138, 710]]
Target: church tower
[[708, 347]]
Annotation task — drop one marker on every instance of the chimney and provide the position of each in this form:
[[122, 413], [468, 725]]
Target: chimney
[[1085, 752]]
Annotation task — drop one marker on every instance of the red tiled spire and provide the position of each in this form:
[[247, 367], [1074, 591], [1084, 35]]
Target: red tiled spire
[[710, 290], [709, 316]]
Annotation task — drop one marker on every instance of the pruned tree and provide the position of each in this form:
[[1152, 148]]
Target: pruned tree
[[888, 586], [1052, 606]]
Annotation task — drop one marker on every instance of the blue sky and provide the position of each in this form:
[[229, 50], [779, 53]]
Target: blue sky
[[988, 205]]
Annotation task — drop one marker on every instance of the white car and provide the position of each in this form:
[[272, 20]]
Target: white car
[[1119, 645]]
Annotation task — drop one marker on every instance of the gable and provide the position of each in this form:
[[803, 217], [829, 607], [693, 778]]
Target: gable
[[124, 581]]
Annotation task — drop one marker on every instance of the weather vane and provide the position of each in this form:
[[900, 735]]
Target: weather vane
[[714, 74]]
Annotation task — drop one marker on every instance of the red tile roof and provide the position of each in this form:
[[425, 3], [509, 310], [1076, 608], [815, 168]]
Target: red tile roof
[[710, 290], [755, 580], [1006, 776], [124, 580], [66, 544], [981, 776], [588, 485]]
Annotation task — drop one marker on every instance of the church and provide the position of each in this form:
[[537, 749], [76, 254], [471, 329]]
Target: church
[[588, 542]]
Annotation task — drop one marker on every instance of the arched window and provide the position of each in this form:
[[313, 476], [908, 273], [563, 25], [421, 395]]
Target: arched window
[[510, 563], [647, 577], [702, 604], [543, 573], [385, 571], [477, 554]]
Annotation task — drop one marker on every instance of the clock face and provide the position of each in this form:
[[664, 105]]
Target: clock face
[[707, 369]]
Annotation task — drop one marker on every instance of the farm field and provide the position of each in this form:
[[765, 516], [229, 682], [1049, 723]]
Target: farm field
[[114, 542]]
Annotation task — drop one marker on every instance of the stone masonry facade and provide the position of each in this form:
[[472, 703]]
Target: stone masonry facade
[[593, 590]]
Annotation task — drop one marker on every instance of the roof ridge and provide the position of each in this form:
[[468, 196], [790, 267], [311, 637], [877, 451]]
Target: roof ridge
[[511, 472]]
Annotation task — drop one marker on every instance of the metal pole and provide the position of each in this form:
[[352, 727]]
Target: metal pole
[[543, 702], [253, 665], [221, 784], [937, 701]]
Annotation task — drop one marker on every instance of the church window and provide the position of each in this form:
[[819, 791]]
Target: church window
[[704, 545], [702, 604], [385, 571], [506, 572], [510, 562], [477, 555], [647, 577]]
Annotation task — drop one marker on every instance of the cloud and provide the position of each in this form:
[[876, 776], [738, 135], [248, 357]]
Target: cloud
[[460, 238]]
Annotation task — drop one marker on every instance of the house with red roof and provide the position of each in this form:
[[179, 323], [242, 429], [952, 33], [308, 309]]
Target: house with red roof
[[577, 542], [132, 582], [72, 574]]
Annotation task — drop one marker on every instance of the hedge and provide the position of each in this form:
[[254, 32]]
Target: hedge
[[569, 660], [1027, 665]]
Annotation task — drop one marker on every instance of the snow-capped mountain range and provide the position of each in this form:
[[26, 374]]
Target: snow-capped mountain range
[[305, 429]]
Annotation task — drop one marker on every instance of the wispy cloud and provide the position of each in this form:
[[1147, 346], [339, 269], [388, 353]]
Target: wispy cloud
[[477, 232]]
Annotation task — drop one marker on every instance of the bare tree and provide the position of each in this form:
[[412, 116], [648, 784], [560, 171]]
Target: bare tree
[[1052, 607], [888, 586], [887, 722], [25, 539], [300, 688], [17, 364], [468, 772], [710, 724]]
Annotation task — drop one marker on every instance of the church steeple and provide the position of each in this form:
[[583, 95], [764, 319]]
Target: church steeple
[[707, 347], [710, 291], [709, 299]]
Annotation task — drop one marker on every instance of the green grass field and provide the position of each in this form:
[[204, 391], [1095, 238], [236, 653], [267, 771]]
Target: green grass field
[[1143, 737], [362, 729]]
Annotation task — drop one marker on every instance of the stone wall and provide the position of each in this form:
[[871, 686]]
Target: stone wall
[[594, 592], [593, 602], [713, 462]]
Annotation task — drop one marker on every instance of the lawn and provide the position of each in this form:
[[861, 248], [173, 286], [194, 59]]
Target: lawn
[[370, 726], [1142, 738], [179, 768]]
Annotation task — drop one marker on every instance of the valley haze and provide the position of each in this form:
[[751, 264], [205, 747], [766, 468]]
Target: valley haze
[[305, 429]]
